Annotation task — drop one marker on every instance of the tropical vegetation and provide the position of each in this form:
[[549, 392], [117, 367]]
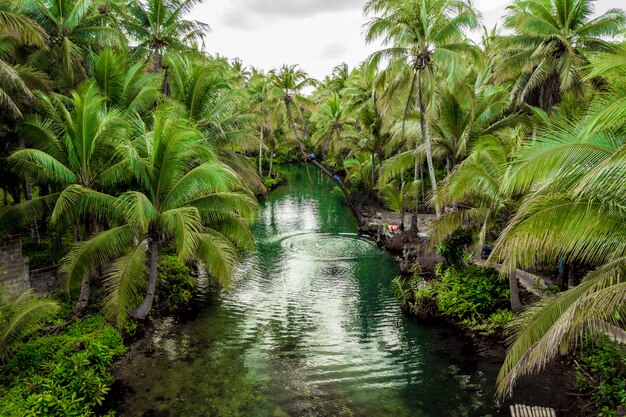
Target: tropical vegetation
[[136, 156]]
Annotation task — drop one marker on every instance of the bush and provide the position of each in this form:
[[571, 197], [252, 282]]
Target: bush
[[176, 284], [471, 292], [603, 376], [452, 248], [63, 375]]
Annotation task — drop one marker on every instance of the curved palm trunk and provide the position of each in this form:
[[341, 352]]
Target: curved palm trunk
[[141, 312], [373, 171], [426, 137]]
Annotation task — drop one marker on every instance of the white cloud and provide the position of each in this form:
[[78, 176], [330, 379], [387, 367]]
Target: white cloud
[[317, 34]]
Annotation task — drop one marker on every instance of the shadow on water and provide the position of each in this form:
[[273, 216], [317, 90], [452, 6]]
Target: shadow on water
[[309, 327]]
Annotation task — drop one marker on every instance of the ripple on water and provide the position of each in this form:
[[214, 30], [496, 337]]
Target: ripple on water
[[327, 246]]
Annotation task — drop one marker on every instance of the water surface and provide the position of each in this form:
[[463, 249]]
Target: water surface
[[309, 327]]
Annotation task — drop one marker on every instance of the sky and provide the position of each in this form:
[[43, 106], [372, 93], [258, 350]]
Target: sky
[[316, 34]]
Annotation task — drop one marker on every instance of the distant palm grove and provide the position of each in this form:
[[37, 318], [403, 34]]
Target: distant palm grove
[[125, 147]]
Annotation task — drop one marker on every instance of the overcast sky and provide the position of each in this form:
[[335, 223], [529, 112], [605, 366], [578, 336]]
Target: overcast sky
[[316, 34]]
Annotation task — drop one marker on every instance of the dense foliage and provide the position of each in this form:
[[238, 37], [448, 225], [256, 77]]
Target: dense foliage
[[121, 139], [62, 375], [474, 296]]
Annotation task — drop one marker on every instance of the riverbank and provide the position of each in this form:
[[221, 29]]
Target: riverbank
[[484, 353]]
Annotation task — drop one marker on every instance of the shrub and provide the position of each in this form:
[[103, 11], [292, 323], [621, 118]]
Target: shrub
[[452, 248], [176, 284], [470, 292], [603, 375], [62, 375]]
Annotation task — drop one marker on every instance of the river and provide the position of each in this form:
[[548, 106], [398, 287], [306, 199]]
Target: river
[[309, 327]]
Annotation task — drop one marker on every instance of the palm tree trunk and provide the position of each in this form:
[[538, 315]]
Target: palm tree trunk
[[271, 160], [373, 171], [416, 205], [426, 138], [261, 153], [83, 296], [141, 312], [28, 193], [408, 102], [516, 304]]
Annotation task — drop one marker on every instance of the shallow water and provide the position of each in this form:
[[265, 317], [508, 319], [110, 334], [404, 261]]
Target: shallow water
[[309, 327]]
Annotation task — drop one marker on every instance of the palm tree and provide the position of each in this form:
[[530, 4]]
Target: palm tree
[[551, 43], [187, 198], [222, 111], [125, 86], [476, 189], [74, 144], [19, 318], [159, 28], [422, 35], [18, 81], [75, 28], [398, 197], [574, 212], [332, 124]]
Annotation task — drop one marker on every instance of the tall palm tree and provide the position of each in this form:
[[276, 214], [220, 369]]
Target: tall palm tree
[[551, 43], [221, 110], [187, 198], [19, 318], [159, 27], [423, 35]]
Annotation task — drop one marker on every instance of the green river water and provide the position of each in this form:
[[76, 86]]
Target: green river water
[[309, 327]]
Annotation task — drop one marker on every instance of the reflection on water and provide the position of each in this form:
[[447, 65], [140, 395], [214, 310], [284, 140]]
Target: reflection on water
[[309, 327]]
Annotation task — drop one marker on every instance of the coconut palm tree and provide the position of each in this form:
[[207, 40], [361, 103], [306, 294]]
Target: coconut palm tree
[[187, 198], [159, 27], [75, 28], [127, 87], [222, 111], [476, 190], [18, 81], [74, 144], [419, 37], [551, 43], [19, 318], [332, 124], [574, 212]]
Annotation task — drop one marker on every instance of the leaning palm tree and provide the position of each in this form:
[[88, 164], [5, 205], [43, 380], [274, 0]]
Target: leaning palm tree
[[551, 43], [419, 37], [186, 198], [574, 212], [20, 317]]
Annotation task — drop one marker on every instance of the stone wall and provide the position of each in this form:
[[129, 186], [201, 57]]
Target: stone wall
[[45, 281], [13, 266], [15, 276]]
